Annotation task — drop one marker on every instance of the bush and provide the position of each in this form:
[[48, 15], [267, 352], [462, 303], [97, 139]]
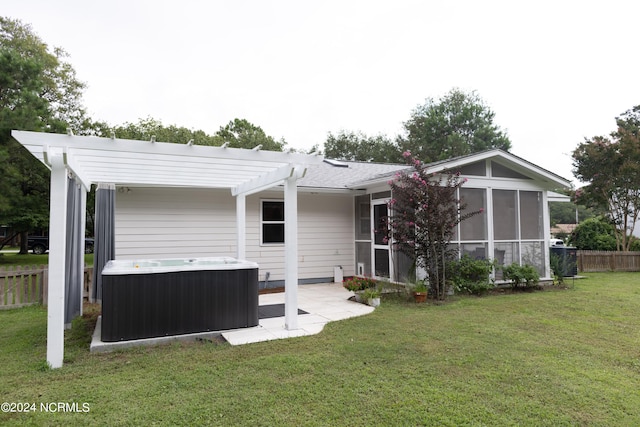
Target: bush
[[521, 275], [595, 234], [359, 283], [471, 275], [560, 266], [556, 266]]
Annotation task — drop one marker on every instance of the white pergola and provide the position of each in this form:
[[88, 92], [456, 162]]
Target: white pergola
[[94, 160]]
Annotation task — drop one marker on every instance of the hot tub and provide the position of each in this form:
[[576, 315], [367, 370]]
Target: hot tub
[[162, 297]]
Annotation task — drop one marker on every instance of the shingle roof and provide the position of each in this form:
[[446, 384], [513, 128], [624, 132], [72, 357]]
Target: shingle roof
[[362, 174]]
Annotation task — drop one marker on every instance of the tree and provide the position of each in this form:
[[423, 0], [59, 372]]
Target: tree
[[458, 124], [565, 213], [148, 128], [240, 133], [595, 234], [39, 91], [611, 167], [357, 146], [425, 212]]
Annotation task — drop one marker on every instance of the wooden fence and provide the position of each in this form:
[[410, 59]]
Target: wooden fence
[[593, 261], [20, 286]]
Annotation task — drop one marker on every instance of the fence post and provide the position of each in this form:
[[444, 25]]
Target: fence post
[[3, 279], [10, 286], [45, 285]]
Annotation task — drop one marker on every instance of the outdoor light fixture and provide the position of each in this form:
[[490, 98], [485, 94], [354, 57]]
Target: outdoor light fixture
[[69, 131], [153, 138]]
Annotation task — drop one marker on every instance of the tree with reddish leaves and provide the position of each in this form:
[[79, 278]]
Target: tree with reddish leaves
[[425, 210]]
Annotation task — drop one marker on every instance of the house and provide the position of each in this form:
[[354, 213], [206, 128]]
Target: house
[[563, 229], [298, 216], [340, 204]]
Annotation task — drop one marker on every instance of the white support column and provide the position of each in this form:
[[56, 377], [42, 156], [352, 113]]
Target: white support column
[[489, 210], [241, 226], [57, 255], [546, 226], [291, 253], [83, 226]]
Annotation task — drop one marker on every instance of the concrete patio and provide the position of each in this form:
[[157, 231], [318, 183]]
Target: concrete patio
[[323, 303]]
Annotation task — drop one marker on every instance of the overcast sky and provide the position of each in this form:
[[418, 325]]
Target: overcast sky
[[554, 72]]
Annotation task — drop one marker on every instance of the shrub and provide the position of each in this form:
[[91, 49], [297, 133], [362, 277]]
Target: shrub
[[521, 275], [471, 275], [556, 266], [595, 234], [359, 283], [370, 293], [425, 211]]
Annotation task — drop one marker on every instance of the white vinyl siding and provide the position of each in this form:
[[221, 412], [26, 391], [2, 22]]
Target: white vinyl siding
[[171, 222], [325, 236], [166, 223]]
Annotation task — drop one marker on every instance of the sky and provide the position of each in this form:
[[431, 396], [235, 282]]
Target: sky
[[553, 72]]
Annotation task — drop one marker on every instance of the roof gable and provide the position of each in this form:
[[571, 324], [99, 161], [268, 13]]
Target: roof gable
[[508, 166]]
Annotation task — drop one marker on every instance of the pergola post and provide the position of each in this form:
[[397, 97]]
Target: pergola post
[[83, 226], [57, 254], [241, 226], [291, 252]]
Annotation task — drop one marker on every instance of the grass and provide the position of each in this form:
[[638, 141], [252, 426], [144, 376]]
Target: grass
[[566, 357], [14, 259]]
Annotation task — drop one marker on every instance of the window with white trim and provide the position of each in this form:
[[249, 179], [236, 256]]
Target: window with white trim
[[272, 222]]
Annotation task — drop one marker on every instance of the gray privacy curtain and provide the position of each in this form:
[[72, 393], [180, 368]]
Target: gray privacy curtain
[[104, 245], [74, 262]]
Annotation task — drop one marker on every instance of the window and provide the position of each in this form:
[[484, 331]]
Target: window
[[531, 215], [272, 222], [505, 215], [363, 217], [474, 228], [474, 169], [500, 171]]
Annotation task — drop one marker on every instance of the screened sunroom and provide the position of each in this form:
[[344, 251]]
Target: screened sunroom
[[513, 226]]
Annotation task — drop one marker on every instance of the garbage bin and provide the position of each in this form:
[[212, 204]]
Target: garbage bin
[[568, 259]]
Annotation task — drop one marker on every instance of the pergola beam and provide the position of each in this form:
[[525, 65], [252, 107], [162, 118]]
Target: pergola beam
[[269, 180]]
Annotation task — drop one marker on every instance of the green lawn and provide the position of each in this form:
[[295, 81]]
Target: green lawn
[[14, 259], [565, 357]]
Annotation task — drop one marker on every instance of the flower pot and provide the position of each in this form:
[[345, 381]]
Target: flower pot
[[373, 302], [359, 297], [420, 296]]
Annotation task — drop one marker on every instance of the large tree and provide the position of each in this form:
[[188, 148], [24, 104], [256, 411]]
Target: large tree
[[148, 128], [240, 133], [457, 124], [611, 167], [346, 145], [39, 91]]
